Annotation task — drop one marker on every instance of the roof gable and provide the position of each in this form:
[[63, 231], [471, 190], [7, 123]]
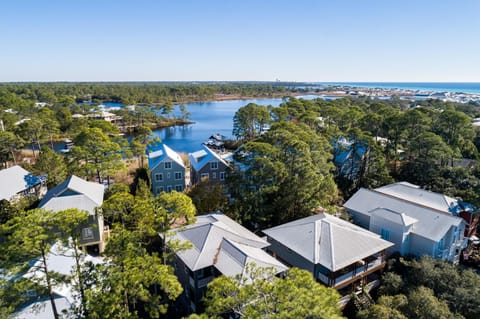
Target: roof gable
[[202, 157], [221, 242], [160, 155], [74, 192], [14, 180]]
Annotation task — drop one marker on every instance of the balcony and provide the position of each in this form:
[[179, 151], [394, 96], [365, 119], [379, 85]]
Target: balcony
[[351, 276]]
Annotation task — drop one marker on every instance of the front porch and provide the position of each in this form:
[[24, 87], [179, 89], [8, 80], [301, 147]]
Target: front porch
[[354, 272]]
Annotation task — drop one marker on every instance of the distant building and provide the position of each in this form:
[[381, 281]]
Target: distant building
[[336, 252], [106, 116], [206, 164], [220, 247], [17, 183], [417, 221], [75, 192], [167, 170]]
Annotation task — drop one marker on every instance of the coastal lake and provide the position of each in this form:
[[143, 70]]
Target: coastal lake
[[210, 118]]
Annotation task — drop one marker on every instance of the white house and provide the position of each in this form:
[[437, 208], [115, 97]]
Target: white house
[[418, 224]]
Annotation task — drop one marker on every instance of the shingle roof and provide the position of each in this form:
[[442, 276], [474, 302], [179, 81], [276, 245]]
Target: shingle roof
[[432, 224], [327, 240], [417, 195], [74, 192], [158, 156], [14, 180], [202, 157], [221, 242]]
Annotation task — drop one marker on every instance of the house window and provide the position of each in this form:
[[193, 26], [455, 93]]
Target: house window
[[159, 189], [87, 233], [169, 188], [214, 165], [178, 188], [385, 233], [204, 176], [159, 177], [214, 175], [178, 175], [168, 175], [222, 176], [168, 165]]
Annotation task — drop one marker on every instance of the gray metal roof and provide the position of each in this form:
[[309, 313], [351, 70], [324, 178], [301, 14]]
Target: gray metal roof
[[202, 157], [393, 216], [74, 192], [327, 240], [14, 180], [432, 224], [158, 156], [415, 194], [221, 242]]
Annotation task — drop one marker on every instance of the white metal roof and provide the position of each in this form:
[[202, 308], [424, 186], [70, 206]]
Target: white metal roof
[[432, 224], [14, 180], [415, 194], [202, 157], [327, 240], [74, 192], [393, 216], [221, 242], [158, 156]]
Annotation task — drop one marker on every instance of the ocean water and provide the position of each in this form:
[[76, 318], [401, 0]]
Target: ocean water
[[464, 87]]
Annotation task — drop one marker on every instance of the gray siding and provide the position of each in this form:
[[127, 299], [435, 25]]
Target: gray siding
[[168, 181], [289, 256], [213, 174]]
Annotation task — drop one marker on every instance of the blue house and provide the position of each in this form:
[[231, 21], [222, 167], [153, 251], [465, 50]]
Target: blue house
[[167, 170], [348, 157]]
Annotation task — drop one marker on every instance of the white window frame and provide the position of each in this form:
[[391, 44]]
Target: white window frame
[[222, 176], [214, 175], [159, 189], [213, 165], [87, 233], [180, 174], [169, 166], [168, 175], [169, 188], [157, 177], [179, 188]]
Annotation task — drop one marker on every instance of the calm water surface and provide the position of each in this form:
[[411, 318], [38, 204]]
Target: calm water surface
[[210, 118]]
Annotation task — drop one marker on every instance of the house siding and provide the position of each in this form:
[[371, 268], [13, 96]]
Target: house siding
[[168, 181], [399, 234], [289, 256], [196, 176]]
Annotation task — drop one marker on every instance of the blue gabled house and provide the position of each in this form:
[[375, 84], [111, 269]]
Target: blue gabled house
[[167, 169]]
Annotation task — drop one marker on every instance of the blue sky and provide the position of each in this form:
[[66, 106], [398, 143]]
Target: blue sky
[[341, 40]]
